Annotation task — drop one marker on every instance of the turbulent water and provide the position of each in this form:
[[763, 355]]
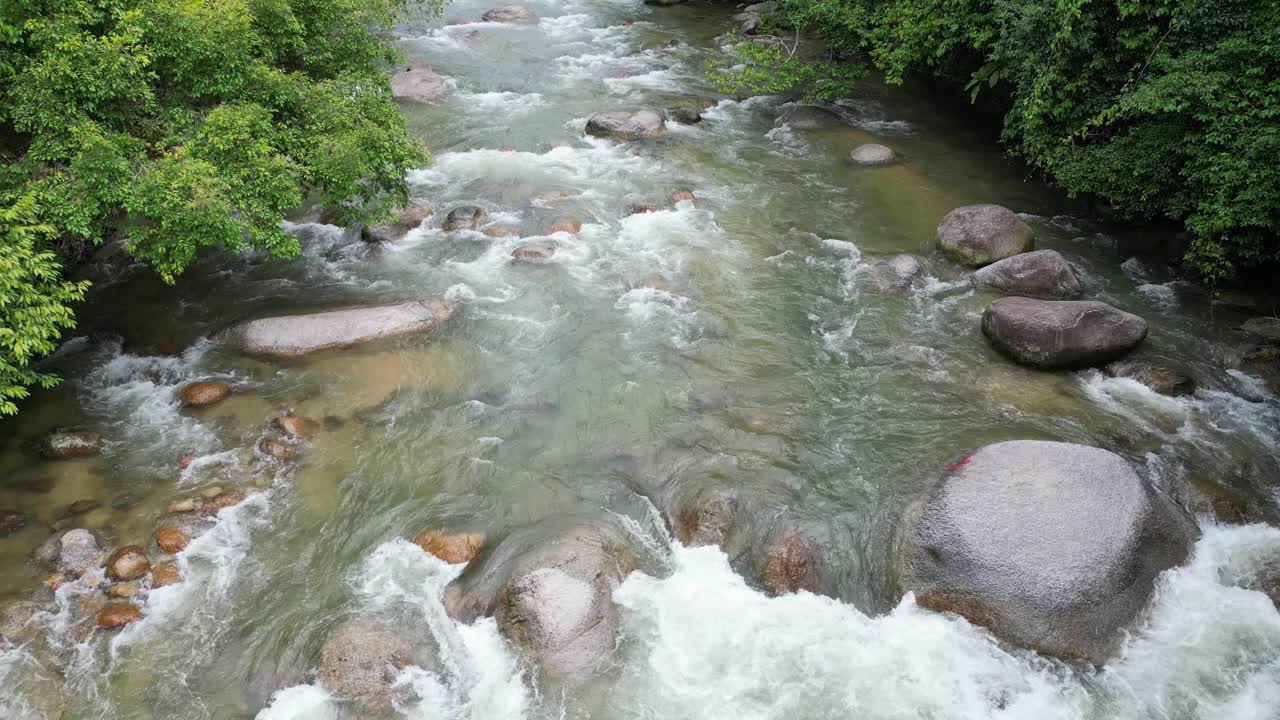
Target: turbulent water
[[730, 343]]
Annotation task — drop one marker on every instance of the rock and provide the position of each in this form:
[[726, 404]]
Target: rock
[[171, 539], [641, 209], [789, 564], [897, 272], [510, 14], [68, 444], [1061, 334], [128, 563], [549, 198], [211, 491], [225, 499], [501, 231], [277, 449], [1052, 546], [654, 281], [118, 614], [17, 621], [360, 661], [1267, 327], [1039, 274], [165, 574], [451, 546], [185, 460], [465, 217], [297, 335], [408, 220], [184, 505], [705, 518], [11, 521], [979, 235], [419, 83], [294, 426], [535, 252], [79, 507], [680, 196], [202, 394], [748, 22], [684, 116], [1164, 380], [873, 155], [565, 225], [124, 590], [71, 552], [626, 126]]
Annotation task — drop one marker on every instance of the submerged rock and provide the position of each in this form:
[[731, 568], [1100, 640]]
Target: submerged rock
[[1052, 546], [790, 563], [465, 217], [501, 231], [11, 521], [684, 116], [979, 235], [1061, 334], [294, 426], [203, 394], [1163, 379], [17, 621], [898, 272], [565, 225], [165, 574], [626, 126], [408, 220], [128, 563], [67, 444], [296, 335], [71, 552], [510, 14], [278, 449], [873, 155], [419, 83], [360, 661], [451, 546], [171, 539], [1041, 274], [535, 252], [705, 518], [225, 499]]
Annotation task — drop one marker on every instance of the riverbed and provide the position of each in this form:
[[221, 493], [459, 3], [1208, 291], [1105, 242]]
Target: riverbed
[[735, 344]]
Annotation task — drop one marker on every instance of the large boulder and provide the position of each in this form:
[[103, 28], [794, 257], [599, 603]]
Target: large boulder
[[419, 83], [979, 235], [1052, 546], [1061, 334], [297, 335], [360, 661], [465, 217], [406, 221], [627, 126], [510, 14], [1039, 274], [551, 593]]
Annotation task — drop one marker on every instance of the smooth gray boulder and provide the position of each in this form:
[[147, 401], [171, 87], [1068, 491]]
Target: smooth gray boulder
[[626, 126], [1052, 546], [465, 217], [406, 221], [872, 155], [979, 235], [552, 596], [419, 83], [297, 335], [1061, 334], [360, 661], [517, 14], [1041, 274], [897, 272]]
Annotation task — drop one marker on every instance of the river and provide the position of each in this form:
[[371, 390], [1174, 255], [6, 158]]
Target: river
[[734, 344]]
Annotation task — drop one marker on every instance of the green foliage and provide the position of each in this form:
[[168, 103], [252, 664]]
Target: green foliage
[[180, 126], [1166, 109], [34, 302], [772, 68]]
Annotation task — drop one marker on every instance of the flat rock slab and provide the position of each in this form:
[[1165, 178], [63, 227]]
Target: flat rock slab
[[296, 335], [1061, 334]]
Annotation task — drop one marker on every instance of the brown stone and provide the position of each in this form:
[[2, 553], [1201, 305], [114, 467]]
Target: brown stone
[[202, 394], [682, 196], [790, 563], [225, 499], [451, 546], [185, 461], [278, 449], [641, 209], [53, 582], [501, 231], [566, 225], [171, 539], [294, 426], [128, 563], [123, 591], [706, 519], [544, 199], [535, 252], [165, 574], [118, 614]]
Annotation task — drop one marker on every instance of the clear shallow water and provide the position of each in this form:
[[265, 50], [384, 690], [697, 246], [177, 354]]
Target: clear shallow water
[[770, 368]]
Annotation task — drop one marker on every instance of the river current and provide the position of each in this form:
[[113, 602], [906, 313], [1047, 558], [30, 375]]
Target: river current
[[731, 343]]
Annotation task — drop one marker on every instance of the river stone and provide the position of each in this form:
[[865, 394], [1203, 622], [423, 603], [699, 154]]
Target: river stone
[[278, 449], [128, 563], [1267, 327], [748, 22], [626, 125], [17, 621], [510, 14], [535, 252], [225, 499], [360, 661], [1039, 274], [789, 563], [294, 426], [408, 220], [705, 518], [465, 217], [297, 335], [897, 272], [165, 574], [1061, 334], [873, 155], [1163, 379], [171, 539], [1052, 546], [684, 116], [72, 552], [565, 225], [451, 546], [979, 235], [67, 444], [11, 521], [117, 614], [419, 83], [202, 394]]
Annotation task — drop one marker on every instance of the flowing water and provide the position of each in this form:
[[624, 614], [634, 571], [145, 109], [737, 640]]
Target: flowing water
[[731, 344]]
